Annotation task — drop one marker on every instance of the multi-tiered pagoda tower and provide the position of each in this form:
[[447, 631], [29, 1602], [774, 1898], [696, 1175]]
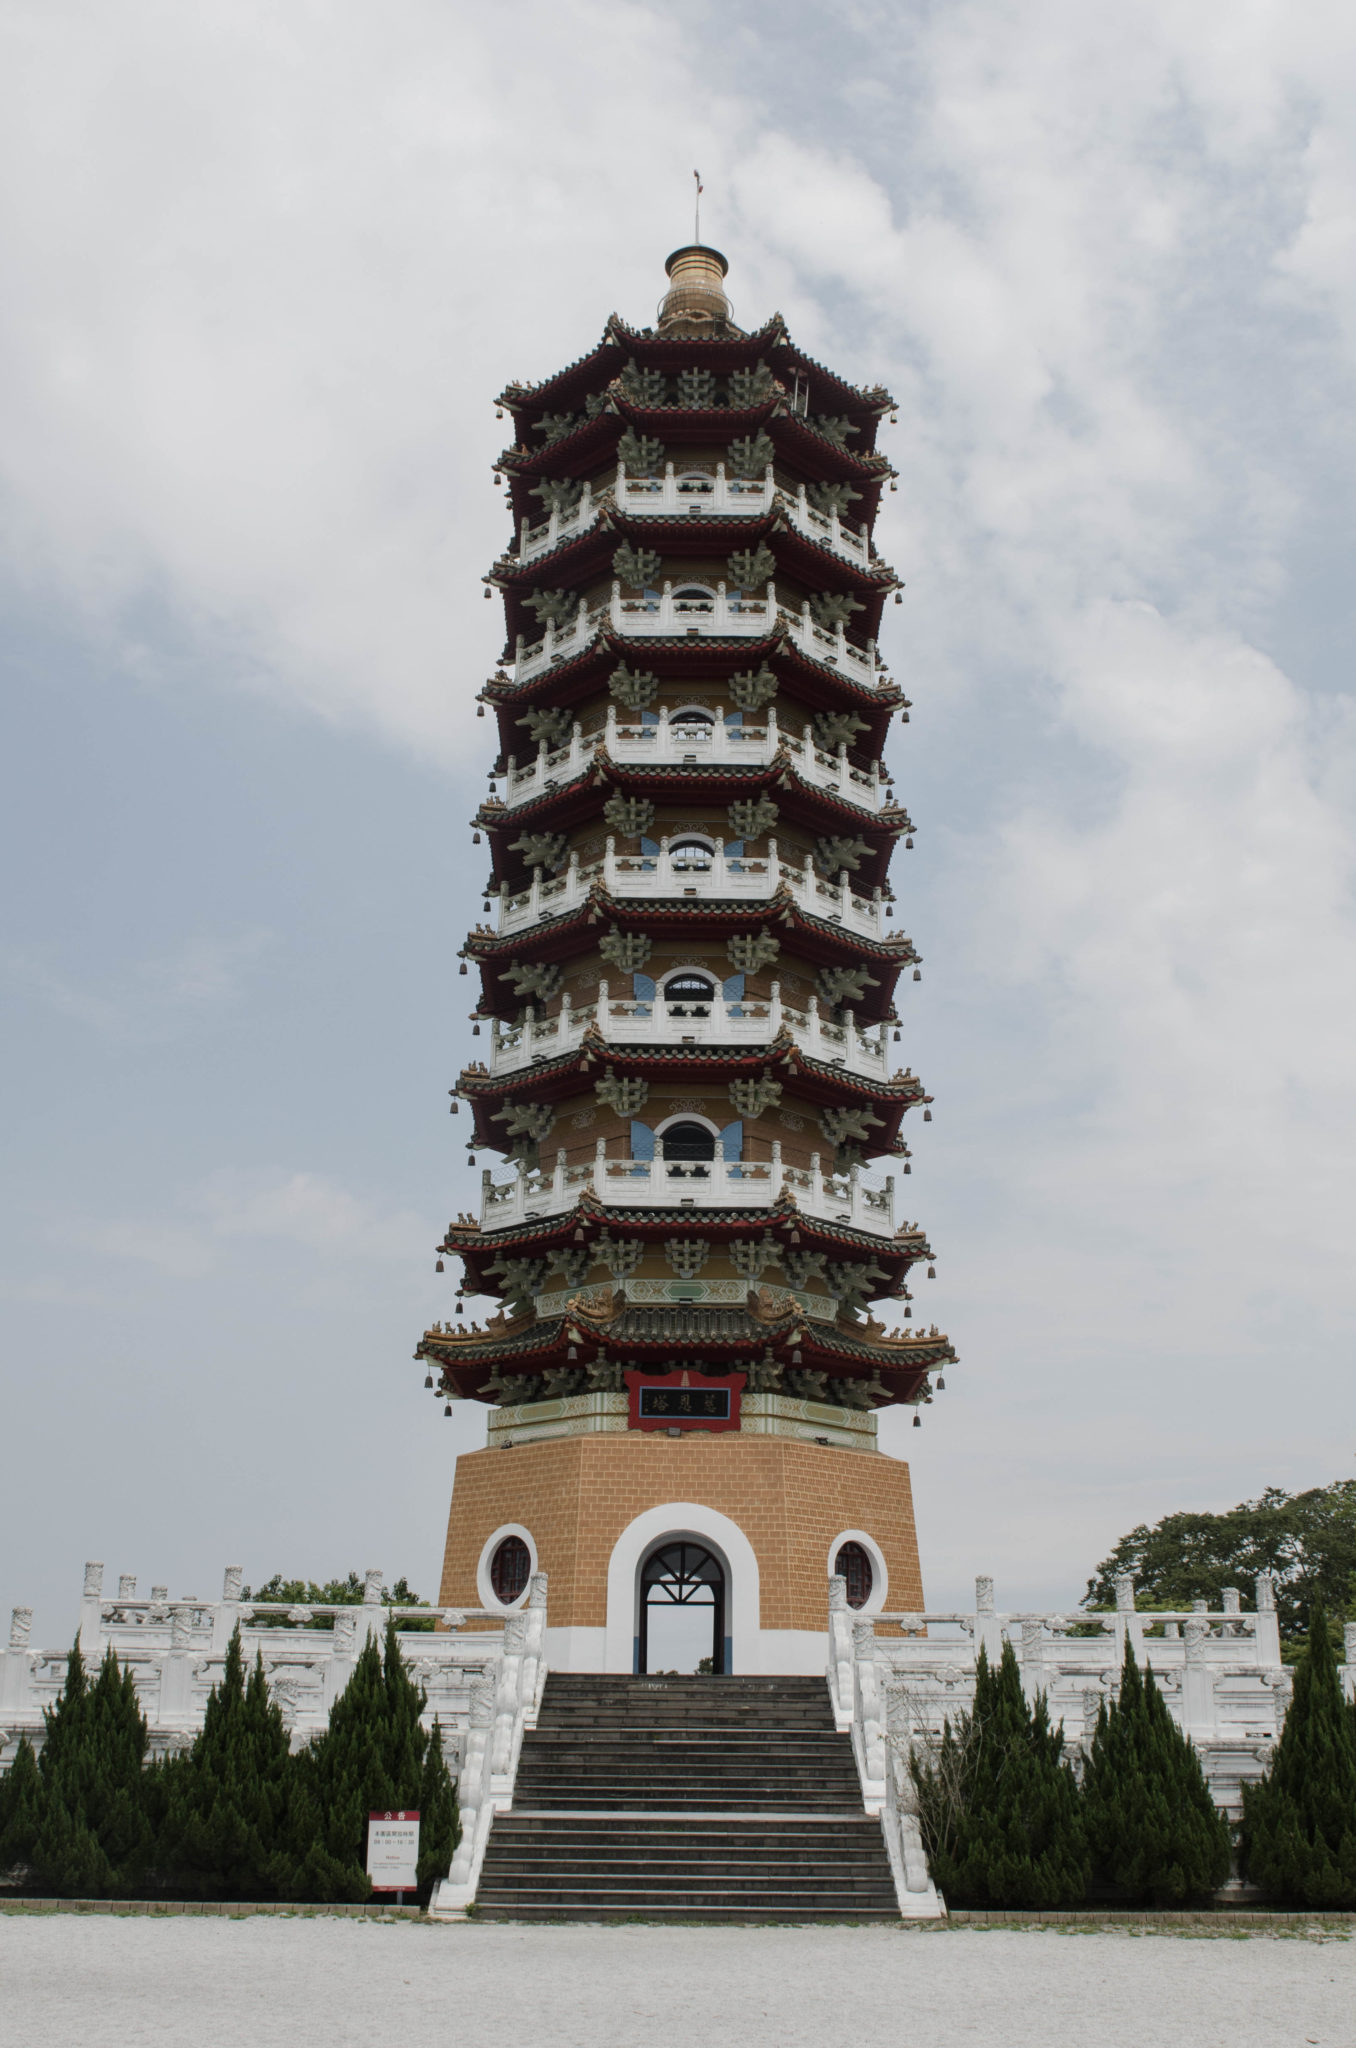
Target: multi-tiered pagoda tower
[[688, 998]]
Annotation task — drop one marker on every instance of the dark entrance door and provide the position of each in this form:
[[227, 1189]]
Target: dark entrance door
[[687, 1577]]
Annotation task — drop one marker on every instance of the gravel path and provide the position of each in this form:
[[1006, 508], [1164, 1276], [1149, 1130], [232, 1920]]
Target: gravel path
[[73, 1982]]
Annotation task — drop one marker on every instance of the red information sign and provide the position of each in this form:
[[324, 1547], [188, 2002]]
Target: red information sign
[[684, 1400]]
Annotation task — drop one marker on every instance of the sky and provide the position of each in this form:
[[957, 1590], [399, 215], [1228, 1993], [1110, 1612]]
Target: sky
[[264, 268]]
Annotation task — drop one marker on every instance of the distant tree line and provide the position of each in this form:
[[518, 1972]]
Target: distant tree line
[[346, 1592], [1307, 1541], [1007, 1822], [237, 1815]]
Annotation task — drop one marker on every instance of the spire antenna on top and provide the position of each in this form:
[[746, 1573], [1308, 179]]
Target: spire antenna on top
[[697, 209]]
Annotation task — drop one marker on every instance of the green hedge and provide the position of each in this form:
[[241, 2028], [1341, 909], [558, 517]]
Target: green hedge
[[237, 1815]]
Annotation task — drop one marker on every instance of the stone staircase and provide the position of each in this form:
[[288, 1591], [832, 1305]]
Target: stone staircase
[[722, 1799]]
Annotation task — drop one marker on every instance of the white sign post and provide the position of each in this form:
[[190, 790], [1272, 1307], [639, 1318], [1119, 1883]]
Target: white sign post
[[393, 1852]]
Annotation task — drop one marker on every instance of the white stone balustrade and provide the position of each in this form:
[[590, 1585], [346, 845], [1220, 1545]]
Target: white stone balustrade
[[826, 527], [720, 615], [862, 1198], [484, 1687], [535, 541], [704, 492], [750, 1021], [1220, 1673], [675, 741], [715, 877]]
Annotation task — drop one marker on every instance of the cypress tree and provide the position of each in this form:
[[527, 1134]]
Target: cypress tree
[[439, 1822], [999, 1807], [222, 1836], [374, 1757], [1299, 1823], [19, 1792], [1152, 1826], [90, 1832]]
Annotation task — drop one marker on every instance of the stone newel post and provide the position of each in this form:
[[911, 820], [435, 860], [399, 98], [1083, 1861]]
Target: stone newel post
[[90, 1618]]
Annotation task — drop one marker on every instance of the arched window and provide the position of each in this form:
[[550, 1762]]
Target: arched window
[[694, 597], [691, 856], [509, 1568], [689, 722], [689, 1141], [853, 1564], [689, 994]]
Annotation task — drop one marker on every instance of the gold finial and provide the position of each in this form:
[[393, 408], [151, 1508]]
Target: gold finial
[[695, 302]]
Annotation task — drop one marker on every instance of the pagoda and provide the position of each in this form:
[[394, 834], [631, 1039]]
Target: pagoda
[[687, 1000]]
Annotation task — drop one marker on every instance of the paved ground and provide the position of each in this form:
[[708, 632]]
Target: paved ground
[[73, 1982]]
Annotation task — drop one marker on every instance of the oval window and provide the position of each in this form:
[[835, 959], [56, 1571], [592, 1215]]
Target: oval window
[[509, 1569], [853, 1564]]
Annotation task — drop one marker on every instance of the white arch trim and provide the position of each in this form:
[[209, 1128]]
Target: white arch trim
[[484, 1585], [687, 1116], [694, 967], [880, 1571], [674, 1520]]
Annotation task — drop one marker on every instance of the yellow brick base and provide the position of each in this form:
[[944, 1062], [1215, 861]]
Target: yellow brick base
[[577, 1496]]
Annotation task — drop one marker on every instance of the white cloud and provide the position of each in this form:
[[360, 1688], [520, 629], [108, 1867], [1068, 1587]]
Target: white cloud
[[146, 1001], [307, 1209], [214, 1221], [266, 268]]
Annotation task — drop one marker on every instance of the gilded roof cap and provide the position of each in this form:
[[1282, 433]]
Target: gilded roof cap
[[695, 302]]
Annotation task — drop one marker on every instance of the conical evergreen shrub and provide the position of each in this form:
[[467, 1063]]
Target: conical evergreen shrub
[[224, 1832], [1152, 1827], [374, 1757], [1299, 1823], [439, 1822], [20, 1789], [90, 1831], [998, 1806]]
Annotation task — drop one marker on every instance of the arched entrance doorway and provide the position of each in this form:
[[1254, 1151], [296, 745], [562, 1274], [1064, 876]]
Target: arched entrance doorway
[[682, 1609]]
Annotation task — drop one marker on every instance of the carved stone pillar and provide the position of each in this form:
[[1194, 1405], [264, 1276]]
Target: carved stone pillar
[[91, 1620]]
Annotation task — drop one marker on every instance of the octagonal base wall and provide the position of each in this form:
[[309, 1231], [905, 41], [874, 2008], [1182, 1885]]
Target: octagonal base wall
[[591, 1508]]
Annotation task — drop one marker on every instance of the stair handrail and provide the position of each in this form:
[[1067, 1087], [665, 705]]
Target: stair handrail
[[500, 1713]]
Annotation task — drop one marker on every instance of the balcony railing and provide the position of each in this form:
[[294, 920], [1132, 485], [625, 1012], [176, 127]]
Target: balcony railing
[[675, 739], [682, 873], [750, 1021], [864, 1200], [718, 615], [535, 541], [706, 492]]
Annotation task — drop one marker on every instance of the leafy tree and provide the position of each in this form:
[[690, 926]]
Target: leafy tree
[[1151, 1823], [223, 1835], [347, 1592], [1306, 1540], [81, 1821], [1299, 1824], [374, 1757], [998, 1806]]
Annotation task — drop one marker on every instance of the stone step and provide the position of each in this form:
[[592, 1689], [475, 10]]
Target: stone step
[[666, 1766], [768, 1903], [608, 1753], [774, 1866]]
